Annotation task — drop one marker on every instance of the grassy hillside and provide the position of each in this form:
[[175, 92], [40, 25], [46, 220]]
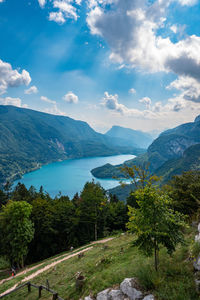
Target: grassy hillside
[[105, 268]]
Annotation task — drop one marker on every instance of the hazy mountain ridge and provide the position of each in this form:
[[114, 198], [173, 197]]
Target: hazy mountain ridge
[[135, 138], [30, 138]]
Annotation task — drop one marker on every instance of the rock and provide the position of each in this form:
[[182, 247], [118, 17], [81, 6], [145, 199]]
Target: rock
[[116, 295], [199, 228], [129, 288], [149, 297], [88, 298], [197, 238], [197, 283], [104, 295], [196, 263]]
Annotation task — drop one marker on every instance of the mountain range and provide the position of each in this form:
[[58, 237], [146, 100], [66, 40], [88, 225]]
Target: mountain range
[[29, 139], [174, 151]]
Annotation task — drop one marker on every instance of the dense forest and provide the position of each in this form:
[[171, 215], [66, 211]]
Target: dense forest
[[34, 226]]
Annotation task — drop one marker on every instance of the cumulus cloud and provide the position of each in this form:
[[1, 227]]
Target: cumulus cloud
[[111, 102], [62, 10], [70, 97], [45, 99], [146, 101], [156, 111], [132, 91], [67, 9], [11, 101], [57, 17], [131, 30], [189, 87], [42, 2], [12, 78], [32, 90]]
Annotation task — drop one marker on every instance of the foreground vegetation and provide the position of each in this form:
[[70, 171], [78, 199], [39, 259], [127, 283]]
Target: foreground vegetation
[[107, 267], [34, 226]]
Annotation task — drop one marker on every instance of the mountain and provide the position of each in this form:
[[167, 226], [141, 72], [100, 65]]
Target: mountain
[[174, 151], [172, 143], [190, 160], [134, 138], [30, 138]]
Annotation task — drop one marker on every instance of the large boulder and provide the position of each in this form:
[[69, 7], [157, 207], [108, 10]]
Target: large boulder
[[149, 297], [130, 288], [116, 295], [104, 295]]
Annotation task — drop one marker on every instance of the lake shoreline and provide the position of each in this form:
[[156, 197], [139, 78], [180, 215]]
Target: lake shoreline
[[67, 175]]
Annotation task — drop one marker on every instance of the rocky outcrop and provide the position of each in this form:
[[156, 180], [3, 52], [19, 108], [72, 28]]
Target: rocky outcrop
[[129, 290], [196, 262]]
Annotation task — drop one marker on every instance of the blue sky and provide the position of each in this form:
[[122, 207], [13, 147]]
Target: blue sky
[[107, 62]]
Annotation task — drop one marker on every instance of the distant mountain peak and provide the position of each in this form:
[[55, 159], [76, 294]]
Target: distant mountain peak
[[130, 136]]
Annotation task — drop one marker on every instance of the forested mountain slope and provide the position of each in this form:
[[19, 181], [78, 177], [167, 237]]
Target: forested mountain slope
[[30, 138], [174, 151]]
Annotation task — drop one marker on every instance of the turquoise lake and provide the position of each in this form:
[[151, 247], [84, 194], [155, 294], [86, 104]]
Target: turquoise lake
[[69, 176]]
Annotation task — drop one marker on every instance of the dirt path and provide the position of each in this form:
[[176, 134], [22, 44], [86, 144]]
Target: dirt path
[[54, 263]]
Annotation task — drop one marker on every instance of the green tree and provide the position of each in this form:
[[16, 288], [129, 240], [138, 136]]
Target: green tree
[[44, 242], [17, 231], [116, 218], [3, 198], [154, 222], [91, 209], [184, 189]]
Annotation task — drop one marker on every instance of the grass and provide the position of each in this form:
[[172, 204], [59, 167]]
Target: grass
[[103, 268]]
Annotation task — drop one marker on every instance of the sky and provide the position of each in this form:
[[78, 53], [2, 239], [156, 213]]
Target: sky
[[132, 63]]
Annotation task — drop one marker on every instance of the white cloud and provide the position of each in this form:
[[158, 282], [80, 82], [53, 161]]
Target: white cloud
[[131, 30], [174, 28], [158, 111], [132, 91], [66, 8], [146, 101], [70, 97], [190, 88], [111, 103], [188, 2], [42, 2], [45, 99], [78, 2], [11, 101], [57, 17], [54, 110], [12, 78], [32, 90]]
